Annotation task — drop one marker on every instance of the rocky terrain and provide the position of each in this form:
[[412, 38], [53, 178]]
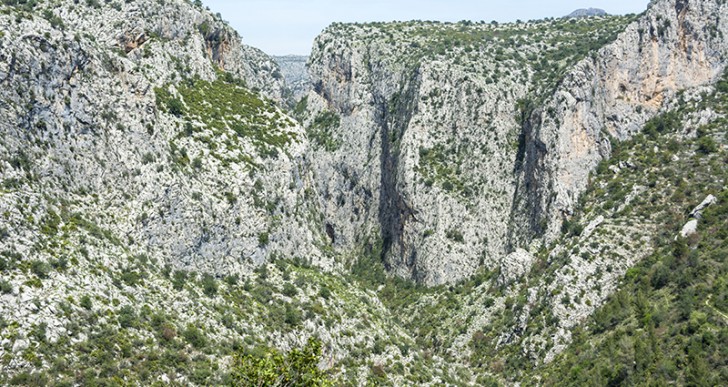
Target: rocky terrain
[[430, 204]]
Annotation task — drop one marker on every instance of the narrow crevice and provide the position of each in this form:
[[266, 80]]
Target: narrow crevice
[[393, 116], [527, 212]]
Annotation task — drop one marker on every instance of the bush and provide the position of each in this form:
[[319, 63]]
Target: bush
[[289, 290], [209, 285], [296, 368], [85, 302], [40, 269], [293, 315], [324, 292], [232, 280], [455, 235], [263, 239], [60, 264], [5, 287], [194, 336], [127, 317], [665, 123], [167, 332], [175, 107], [707, 145], [571, 227], [179, 279], [39, 332]]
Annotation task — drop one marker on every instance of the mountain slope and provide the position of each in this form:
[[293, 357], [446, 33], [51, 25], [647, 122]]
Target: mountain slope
[[666, 324], [134, 154]]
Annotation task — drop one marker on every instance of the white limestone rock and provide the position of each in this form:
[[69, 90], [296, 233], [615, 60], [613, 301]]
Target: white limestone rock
[[589, 229], [515, 266], [690, 228], [697, 211]]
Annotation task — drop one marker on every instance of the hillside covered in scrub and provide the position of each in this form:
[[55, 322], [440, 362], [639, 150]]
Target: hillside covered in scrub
[[426, 203]]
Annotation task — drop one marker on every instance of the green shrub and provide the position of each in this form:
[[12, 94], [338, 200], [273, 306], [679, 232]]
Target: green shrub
[[455, 235], [5, 287], [127, 317], [298, 367], [179, 279], [324, 292], [175, 107], [39, 332], [289, 290], [40, 269], [60, 264], [664, 123], [194, 336], [293, 315], [85, 302], [209, 285], [232, 280], [263, 239], [707, 145]]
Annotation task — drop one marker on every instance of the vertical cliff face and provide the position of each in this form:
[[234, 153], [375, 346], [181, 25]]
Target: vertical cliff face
[[674, 46], [428, 139], [374, 192], [468, 141]]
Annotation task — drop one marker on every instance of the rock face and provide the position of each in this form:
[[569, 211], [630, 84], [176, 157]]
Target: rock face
[[690, 228], [515, 266], [428, 141], [697, 211], [674, 46], [294, 71], [448, 162]]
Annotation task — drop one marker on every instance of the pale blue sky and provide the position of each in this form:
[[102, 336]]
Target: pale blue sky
[[281, 27]]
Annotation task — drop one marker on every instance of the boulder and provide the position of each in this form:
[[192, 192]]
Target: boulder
[[589, 229], [516, 265], [697, 211], [689, 228]]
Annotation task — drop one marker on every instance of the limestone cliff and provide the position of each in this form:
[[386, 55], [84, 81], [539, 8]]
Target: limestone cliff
[[427, 148], [455, 144], [676, 45]]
